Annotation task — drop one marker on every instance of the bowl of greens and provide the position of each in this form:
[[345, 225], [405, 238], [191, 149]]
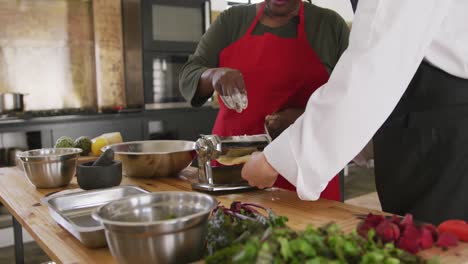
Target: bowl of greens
[[160, 227]]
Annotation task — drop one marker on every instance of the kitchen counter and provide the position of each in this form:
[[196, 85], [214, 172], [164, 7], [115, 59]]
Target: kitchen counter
[[13, 123], [171, 123], [150, 111], [22, 200]]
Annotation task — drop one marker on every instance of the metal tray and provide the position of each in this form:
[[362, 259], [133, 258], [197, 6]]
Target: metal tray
[[73, 211]]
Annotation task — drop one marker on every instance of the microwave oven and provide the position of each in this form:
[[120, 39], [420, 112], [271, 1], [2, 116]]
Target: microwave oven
[[174, 25]]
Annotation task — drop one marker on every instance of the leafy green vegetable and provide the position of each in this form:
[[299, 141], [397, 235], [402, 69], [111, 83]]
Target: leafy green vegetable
[[64, 142], [237, 224], [83, 143], [241, 234], [170, 216]]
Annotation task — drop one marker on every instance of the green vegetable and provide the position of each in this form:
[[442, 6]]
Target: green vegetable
[[84, 143], [64, 142], [170, 216], [241, 234]]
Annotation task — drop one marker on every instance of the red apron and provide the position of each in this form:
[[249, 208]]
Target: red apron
[[278, 73]]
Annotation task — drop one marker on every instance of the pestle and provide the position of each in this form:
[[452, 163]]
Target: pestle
[[105, 159]]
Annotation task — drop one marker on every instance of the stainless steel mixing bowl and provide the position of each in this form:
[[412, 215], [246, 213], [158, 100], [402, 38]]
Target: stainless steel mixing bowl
[[154, 158], [50, 167], [160, 227]]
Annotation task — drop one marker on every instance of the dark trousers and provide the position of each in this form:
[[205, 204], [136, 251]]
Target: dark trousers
[[421, 151]]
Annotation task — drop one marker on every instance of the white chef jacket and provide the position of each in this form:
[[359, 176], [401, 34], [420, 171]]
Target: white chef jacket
[[388, 42]]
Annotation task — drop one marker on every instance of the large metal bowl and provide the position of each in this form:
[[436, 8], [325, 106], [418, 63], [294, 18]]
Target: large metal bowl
[[50, 167], [160, 227], [154, 158]]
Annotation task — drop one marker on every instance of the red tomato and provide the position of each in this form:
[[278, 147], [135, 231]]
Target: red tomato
[[457, 227]]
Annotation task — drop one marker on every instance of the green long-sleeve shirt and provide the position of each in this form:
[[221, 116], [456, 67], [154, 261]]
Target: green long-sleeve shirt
[[326, 32]]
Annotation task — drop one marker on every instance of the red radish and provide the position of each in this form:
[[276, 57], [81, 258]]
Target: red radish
[[374, 220], [396, 219], [426, 238], [432, 229], [410, 237], [412, 232], [446, 240], [408, 244], [363, 228], [371, 222], [407, 220], [388, 231]]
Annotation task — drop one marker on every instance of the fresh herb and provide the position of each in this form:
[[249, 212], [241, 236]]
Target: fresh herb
[[241, 234]]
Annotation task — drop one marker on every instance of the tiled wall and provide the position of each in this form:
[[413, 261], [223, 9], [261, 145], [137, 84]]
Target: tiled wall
[[51, 50], [107, 15], [47, 51]]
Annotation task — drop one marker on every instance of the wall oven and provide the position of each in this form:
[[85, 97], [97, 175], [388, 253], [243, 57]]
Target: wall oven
[[159, 35], [161, 76]]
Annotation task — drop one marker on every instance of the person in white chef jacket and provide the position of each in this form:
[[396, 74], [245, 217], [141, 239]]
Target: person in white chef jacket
[[403, 81]]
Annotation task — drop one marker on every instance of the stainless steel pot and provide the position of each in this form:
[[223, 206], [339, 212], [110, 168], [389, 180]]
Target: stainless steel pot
[[161, 227], [11, 102]]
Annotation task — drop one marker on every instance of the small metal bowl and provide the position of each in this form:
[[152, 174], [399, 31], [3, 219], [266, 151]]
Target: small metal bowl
[[154, 158], [50, 167], [160, 227]]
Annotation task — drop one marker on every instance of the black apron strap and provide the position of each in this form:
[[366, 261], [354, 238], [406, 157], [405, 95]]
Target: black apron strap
[[421, 151]]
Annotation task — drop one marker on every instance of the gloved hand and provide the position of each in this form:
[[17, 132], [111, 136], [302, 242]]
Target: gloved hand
[[230, 85], [277, 122]]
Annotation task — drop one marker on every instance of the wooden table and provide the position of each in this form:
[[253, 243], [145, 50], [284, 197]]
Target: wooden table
[[23, 201]]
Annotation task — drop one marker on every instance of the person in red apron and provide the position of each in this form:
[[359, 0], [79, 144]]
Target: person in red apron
[[279, 74], [265, 60]]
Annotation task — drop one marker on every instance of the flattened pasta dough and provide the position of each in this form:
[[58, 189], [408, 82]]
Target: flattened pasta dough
[[236, 156]]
